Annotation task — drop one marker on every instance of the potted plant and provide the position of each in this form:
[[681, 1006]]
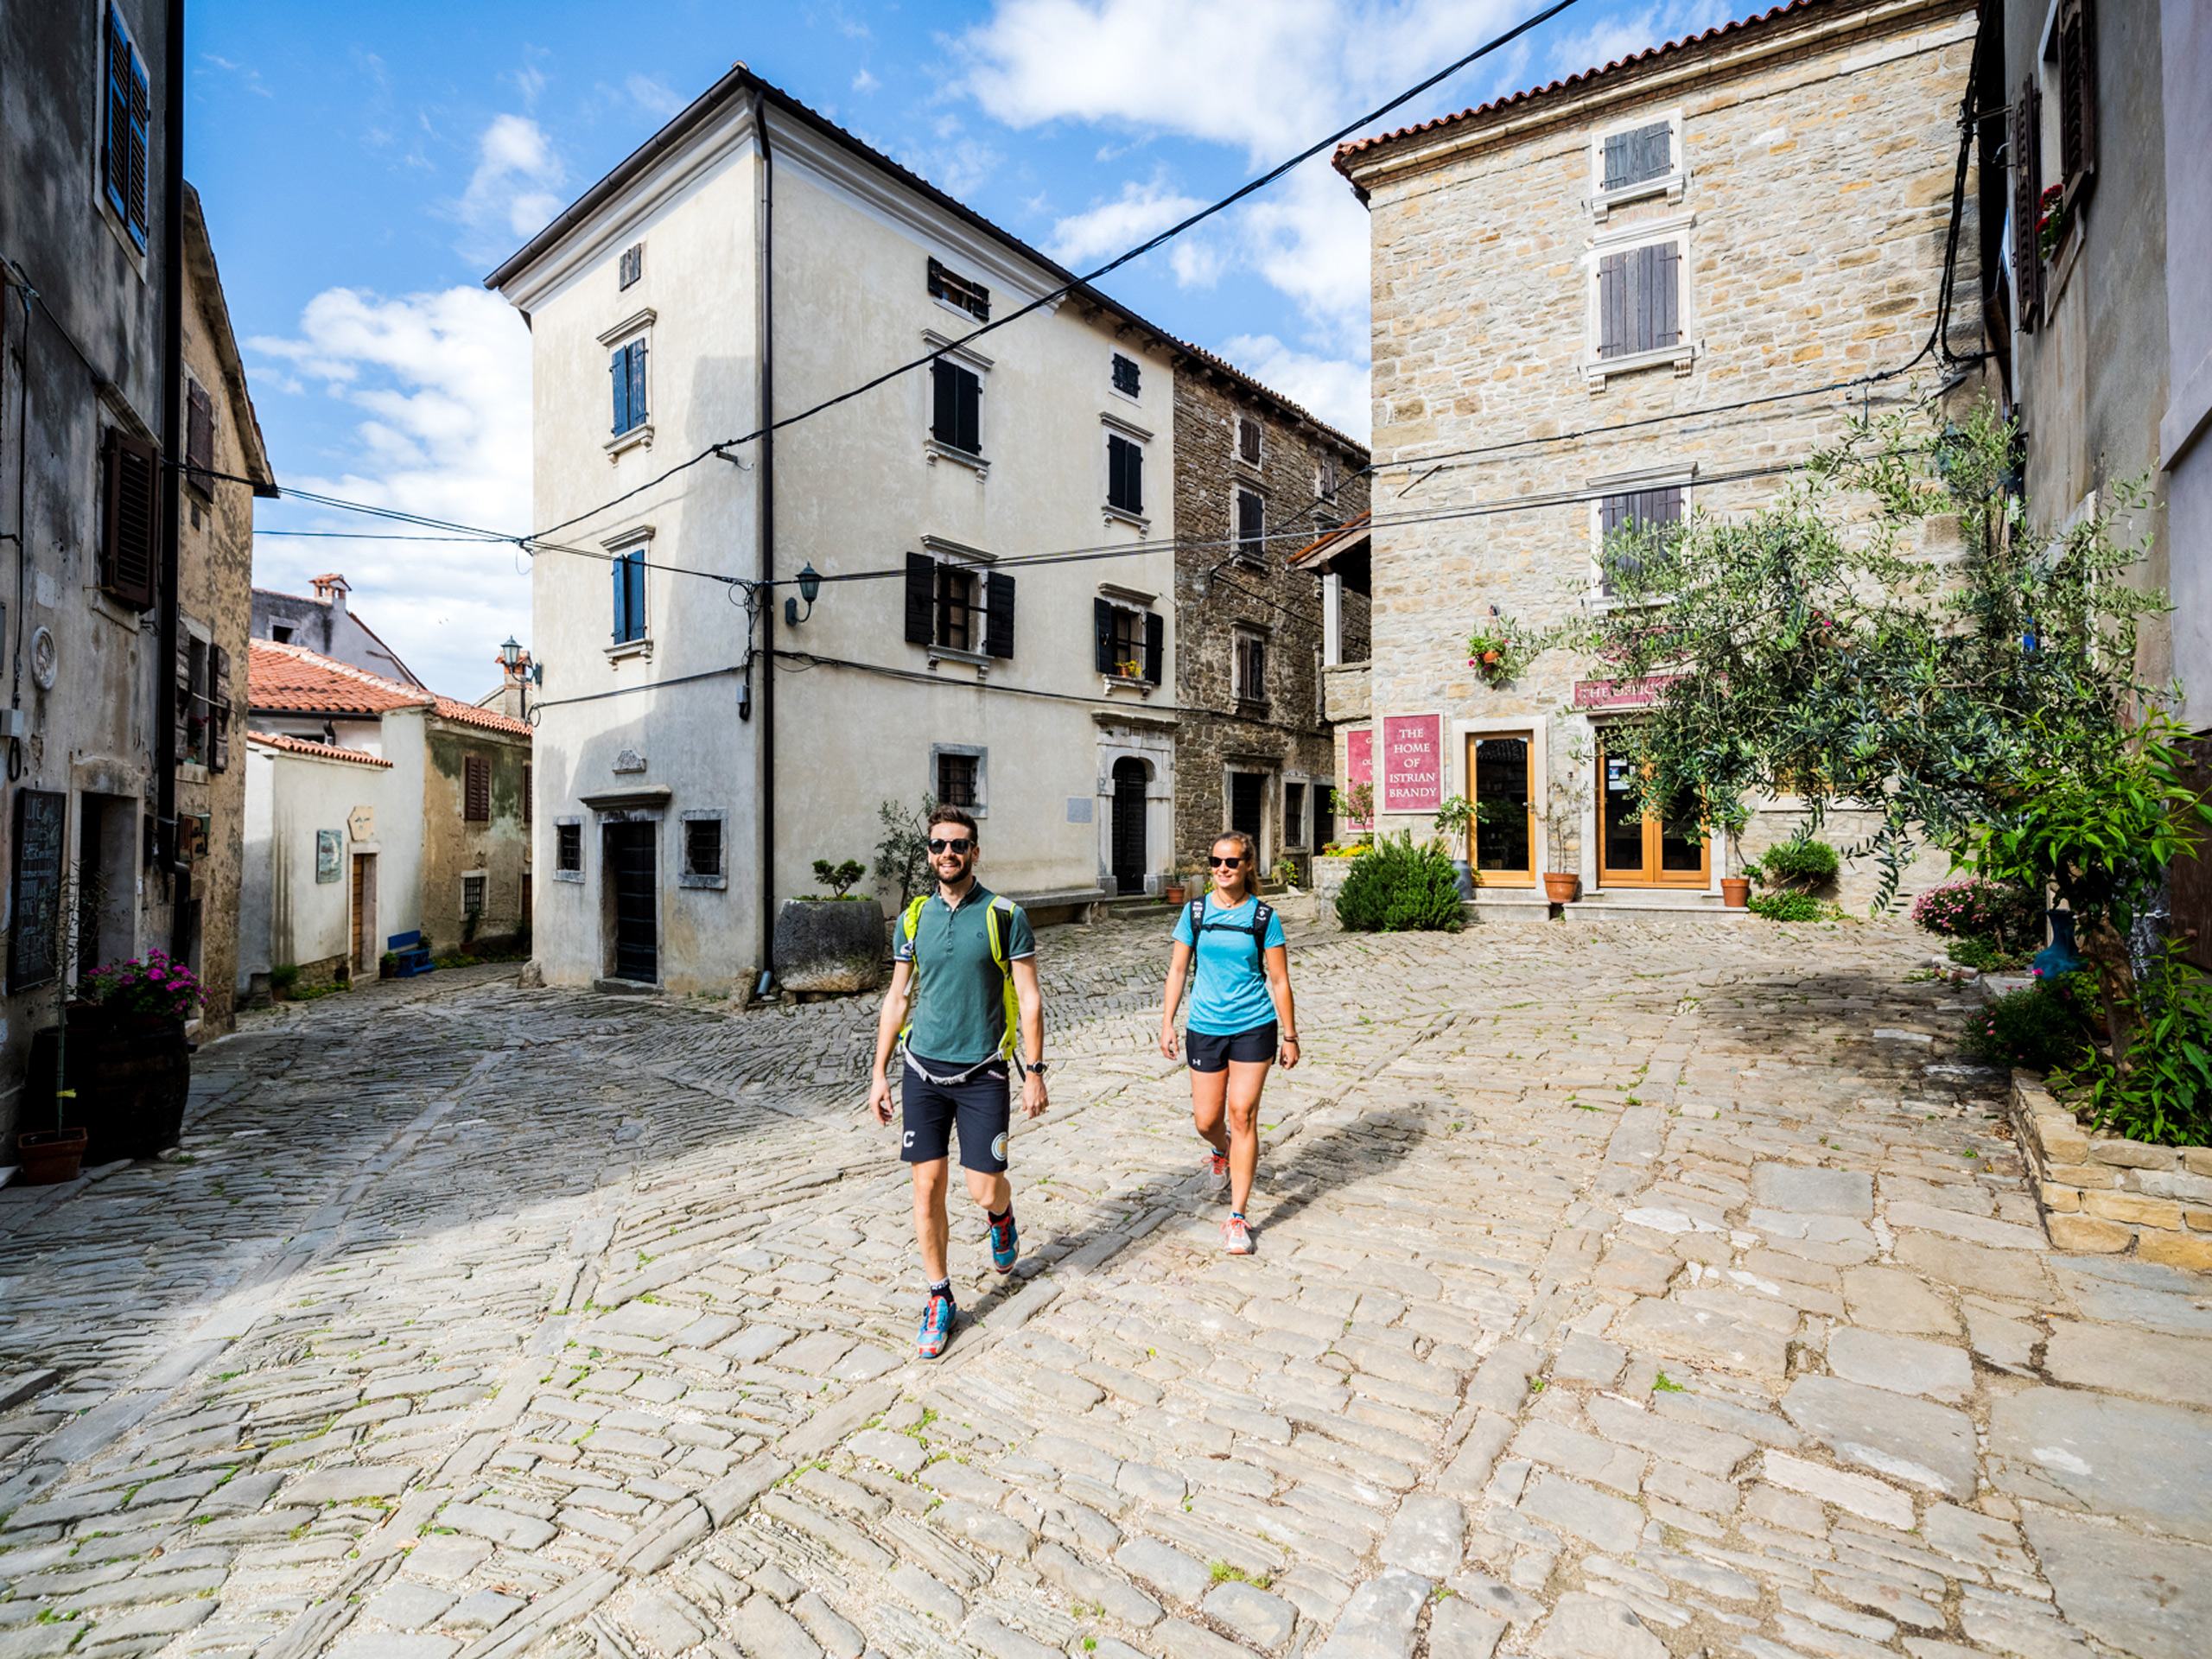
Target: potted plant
[[1173, 888], [128, 1069], [832, 944], [1451, 821], [1736, 890], [1566, 792], [1497, 652]]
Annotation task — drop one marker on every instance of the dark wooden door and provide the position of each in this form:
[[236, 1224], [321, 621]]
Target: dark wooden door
[[360, 916], [1247, 790], [630, 860], [1129, 825]]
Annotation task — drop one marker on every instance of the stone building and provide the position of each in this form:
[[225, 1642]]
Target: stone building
[[1577, 292], [131, 453], [1257, 480], [323, 623]]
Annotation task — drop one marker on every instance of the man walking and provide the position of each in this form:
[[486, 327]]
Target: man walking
[[965, 965]]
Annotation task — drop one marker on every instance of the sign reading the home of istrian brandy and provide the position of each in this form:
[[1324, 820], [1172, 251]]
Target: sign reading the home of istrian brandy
[[1412, 763], [1359, 767]]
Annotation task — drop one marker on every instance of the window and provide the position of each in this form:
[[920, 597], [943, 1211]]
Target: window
[[630, 596], [1124, 474], [1638, 300], [131, 519], [1247, 441], [191, 701], [475, 789], [956, 407], [634, 263], [525, 792], [1328, 477], [2046, 212], [199, 436], [1126, 643], [1294, 815], [628, 370], [972, 297], [568, 849], [1251, 666], [1251, 525], [472, 895], [956, 778], [1125, 375], [1639, 154], [702, 849], [1631, 528], [126, 114], [956, 608]]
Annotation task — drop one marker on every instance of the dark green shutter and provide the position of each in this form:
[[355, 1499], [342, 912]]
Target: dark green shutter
[[1155, 631], [944, 419], [1102, 636], [971, 411], [921, 598], [998, 614]]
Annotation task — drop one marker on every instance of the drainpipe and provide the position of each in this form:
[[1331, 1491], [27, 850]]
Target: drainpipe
[[765, 595], [165, 828]]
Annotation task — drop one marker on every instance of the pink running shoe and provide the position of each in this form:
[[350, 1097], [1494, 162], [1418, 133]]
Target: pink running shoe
[[1236, 1236], [1217, 1173]]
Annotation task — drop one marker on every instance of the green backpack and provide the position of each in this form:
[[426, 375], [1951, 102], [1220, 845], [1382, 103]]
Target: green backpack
[[998, 922]]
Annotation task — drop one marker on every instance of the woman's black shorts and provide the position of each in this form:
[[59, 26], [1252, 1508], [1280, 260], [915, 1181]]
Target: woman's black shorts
[[1211, 1054]]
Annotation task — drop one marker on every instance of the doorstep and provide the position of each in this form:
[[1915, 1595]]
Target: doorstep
[[1613, 904], [625, 987]]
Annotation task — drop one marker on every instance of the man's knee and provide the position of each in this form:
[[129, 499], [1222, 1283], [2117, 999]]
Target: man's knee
[[929, 1177]]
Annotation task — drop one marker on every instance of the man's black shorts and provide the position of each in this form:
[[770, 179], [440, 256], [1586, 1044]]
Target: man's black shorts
[[981, 1107], [1211, 1054]]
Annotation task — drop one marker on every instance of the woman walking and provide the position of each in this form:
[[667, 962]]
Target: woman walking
[[1241, 1019]]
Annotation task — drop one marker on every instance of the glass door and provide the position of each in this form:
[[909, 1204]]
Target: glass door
[[1501, 839], [1634, 850]]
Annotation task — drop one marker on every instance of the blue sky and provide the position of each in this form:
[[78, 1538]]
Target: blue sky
[[362, 168]]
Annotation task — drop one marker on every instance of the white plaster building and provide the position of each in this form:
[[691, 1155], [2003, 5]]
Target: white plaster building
[[692, 761]]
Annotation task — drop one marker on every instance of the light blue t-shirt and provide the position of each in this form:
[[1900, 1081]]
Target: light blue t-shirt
[[1230, 994]]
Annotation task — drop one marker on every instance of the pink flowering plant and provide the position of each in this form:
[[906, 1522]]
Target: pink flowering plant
[[157, 984], [1972, 908]]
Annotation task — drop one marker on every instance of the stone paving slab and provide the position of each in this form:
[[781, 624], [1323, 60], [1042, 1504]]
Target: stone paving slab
[[1631, 1291]]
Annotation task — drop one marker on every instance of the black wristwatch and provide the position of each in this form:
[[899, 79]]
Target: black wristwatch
[[1038, 1069]]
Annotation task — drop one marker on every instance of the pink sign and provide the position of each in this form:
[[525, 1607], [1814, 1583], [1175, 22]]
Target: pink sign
[[1412, 763], [1602, 695], [1359, 765]]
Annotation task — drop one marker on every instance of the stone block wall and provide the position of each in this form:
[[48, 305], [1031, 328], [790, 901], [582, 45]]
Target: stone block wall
[[1284, 736], [1819, 157], [2104, 1195]]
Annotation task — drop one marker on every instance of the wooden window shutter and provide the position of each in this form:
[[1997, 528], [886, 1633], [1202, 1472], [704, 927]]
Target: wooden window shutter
[[218, 712], [2077, 90], [945, 417], [1155, 634], [476, 789], [1666, 263], [141, 122], [184, 697], [2027, 191], [638, 414], [921, 598], [130, 531], [1612, 305], [1134, 465], [998, 614], [200, 434], [1618, 167], [617, 370], [1102, 636], [526, 812], [115, 138], [970, 389]]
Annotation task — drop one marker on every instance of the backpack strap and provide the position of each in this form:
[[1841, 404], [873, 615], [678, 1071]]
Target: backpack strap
[[1261, 916], [909, 924], [998, 929], [1197, 918]]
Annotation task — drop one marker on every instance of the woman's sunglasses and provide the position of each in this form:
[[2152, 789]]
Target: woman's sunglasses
[[1224, 863], [955, 845]]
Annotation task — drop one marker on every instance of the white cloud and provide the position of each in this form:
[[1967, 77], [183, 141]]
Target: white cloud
[[864, 82], [1141, 211], [655, 98], [511, 193], [1333, 388], [443, 381]]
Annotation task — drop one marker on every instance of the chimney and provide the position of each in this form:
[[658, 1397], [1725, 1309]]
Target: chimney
[[332, 589]]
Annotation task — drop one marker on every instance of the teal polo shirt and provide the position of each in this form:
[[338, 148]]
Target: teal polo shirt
[[958, 1012]]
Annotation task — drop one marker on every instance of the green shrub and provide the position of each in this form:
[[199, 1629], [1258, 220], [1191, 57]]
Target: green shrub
[[1986, 954], [1399, 887], [1789, 907], [388, 965], [1969, 908], [1801, 863], [2164, 1095], [282, 977], [2034, 1027]]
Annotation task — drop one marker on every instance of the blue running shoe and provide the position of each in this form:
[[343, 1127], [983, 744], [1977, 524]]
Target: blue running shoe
[[937, 1326], [1006, 1243]]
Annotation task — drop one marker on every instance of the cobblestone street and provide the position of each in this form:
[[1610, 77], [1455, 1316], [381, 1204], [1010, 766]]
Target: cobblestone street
[[1623, 1291]]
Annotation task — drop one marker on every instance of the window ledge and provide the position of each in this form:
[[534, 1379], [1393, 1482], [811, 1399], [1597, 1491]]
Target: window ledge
[[576, 876], [1672, 185], [1114, 682], [689, 880], [622, 649], [1683, 354], [1115, 515], [933, 452], [974, 659], [191, 771], [636, 437], [1252, 707]]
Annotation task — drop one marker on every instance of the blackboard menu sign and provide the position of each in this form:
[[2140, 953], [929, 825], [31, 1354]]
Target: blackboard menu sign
[[34, 911]]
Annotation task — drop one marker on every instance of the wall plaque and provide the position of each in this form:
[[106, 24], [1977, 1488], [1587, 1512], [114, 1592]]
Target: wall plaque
[[1412, 763], [1359, 767], [35, 908], [329, 854], [362, 821]]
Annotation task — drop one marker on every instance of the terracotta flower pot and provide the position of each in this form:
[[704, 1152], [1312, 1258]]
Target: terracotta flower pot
[[50, 1156], [1489, 657], [1735, 890], [1172, 892], [1561, 889]]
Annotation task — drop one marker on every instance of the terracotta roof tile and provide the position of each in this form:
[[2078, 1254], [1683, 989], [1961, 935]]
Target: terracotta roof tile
[[474, 715], [292, 676], [1343, 537], [321, 751], [1345, 151]]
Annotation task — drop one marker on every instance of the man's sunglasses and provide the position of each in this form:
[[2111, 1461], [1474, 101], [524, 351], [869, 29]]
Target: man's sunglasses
[[1224, 863], [956, 844]]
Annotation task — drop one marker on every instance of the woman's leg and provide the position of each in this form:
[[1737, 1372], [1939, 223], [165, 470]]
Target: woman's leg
[[1207, 1089], [1246, 1079]]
